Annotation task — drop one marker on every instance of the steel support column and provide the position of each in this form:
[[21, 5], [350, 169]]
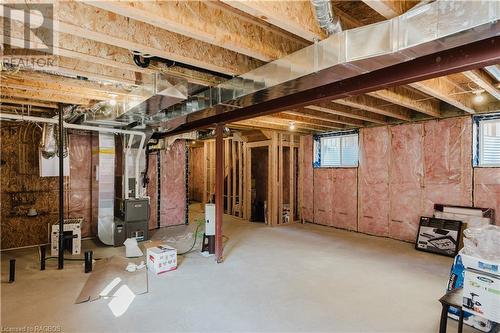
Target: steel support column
[[60, 257], [219, 189]]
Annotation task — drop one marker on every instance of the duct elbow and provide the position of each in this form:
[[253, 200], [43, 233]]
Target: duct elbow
[[325, 16]]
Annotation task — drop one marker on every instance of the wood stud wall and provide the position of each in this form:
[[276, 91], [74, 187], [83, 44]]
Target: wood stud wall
[[238, 176]]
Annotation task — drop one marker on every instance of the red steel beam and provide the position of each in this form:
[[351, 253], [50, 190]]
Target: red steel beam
[[474, 55], [219, 190]]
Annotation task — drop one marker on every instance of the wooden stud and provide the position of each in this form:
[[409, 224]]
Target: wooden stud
[[234, 157]]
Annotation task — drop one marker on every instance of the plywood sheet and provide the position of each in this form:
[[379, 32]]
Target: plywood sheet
[[374, 181], [20, 174], [345, 198], [447, 155], [487, 190], [307, 182], [406, 179], [173, 184]]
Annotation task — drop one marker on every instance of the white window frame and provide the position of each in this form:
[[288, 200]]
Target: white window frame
[[480, 150], [318, 145]]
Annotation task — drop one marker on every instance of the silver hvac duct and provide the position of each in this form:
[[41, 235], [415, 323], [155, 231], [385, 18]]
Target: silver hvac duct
[[159, 92], [434, 27], [325, 16]]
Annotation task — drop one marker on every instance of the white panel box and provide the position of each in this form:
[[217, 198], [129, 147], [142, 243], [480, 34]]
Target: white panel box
[[77, 238], [210, 219]]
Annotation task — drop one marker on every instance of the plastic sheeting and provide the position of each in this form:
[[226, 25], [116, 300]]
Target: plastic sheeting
[[345, 198], [152, 190], [406, 178], [323, 193], [403, 171], [173, 184], [78, 199], [447, 153], [374, 161], [487, 190]]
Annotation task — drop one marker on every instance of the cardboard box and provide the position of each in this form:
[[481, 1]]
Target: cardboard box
[[161, 259], [481, 293]]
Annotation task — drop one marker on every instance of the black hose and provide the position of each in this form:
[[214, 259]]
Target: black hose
[[141, 61], [194, 242]]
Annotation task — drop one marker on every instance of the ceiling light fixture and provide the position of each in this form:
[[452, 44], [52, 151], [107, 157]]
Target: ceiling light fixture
[[479, 97], [291, 127]]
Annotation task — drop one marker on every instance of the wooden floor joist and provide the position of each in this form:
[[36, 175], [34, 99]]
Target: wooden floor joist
[[296, 17], [484, 81], [207, 23], [406, 98], [345, 111], [375, 105], [443, 89]]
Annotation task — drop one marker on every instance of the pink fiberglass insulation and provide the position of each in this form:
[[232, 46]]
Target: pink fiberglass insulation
[[487, 189], [323, 189], [344, 198], [374, 159], [173, 184], [447, 154], [406, 173], [78, 198], [152, 190], [307, 181]]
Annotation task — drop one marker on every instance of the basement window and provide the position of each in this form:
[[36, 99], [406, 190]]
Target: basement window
[[487, 141], [336, 150]]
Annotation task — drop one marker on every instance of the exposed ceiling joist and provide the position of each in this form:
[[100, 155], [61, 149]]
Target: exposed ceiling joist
[[102, 54], [207, 23], [20, 101], [408, 99], [298, 117], [484, 81], [296, 17], [36, 81], [43, 96], [443, 89], [298, 124], [252, 123], [347, 111], [375, 105], [323, 116], [390, 8], [89, 22]]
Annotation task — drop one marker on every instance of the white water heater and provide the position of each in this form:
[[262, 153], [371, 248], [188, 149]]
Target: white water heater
[[210, 219]]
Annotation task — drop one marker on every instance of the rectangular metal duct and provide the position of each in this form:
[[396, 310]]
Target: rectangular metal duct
[[158, 93], [428, 29]]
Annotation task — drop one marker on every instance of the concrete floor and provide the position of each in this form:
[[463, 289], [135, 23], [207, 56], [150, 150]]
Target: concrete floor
[[291, 278]]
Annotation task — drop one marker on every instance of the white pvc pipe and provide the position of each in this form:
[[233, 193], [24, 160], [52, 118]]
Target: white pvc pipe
[[88, 128]]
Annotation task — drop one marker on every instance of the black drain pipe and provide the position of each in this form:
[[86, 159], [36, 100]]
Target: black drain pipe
[[60, 258], [144, 62]]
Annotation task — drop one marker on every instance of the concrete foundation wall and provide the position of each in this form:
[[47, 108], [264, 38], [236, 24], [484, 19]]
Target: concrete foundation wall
[[403, 171]]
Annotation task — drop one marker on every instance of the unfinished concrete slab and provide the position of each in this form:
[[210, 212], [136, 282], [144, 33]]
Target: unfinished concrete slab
[[291, 278]]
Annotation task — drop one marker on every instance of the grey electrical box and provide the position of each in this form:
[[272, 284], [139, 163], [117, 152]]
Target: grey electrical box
[[132, 210]]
